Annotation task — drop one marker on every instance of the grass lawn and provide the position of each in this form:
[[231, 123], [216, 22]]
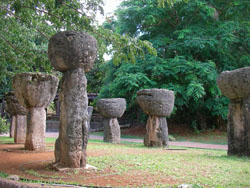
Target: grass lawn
[[208, 137], [155, 167]]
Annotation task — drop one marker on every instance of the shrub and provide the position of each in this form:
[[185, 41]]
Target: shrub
[[4, 125]]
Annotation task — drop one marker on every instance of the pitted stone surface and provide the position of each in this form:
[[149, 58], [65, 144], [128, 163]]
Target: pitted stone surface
[[157, 132], [72, 49], [72, 53], [157, 102], [35, 89], [112, 132], [18, 119], [111, 108], [235, 84], [90, 110], [238, 128], [13, 106]]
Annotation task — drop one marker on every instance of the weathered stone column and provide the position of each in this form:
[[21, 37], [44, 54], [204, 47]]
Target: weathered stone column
[[18, 119], [73, 53], [236, 86], [90, 110], [111, 109], [157, 104], [35, 91]]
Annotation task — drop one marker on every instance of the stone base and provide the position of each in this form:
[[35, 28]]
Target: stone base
[[60, 168], [12, 126], [112, 132], [238, 128], [157, 132], [36, 125], [20, 129]]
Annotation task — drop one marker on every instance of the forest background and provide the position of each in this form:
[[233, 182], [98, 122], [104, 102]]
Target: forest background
[[181, 45]]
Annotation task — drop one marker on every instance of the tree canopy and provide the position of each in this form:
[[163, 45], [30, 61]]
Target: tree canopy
[[195, 40], [27, 25]]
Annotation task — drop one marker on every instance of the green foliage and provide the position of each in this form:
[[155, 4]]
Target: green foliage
[[26, 27], [4, 125], [195, 41]]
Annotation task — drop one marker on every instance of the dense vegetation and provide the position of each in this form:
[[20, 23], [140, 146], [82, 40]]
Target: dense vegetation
[[195, 41], [27, 25]]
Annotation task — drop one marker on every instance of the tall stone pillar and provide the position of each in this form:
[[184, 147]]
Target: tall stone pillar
[[18, 119], [111, 109], [236, 86], [35, 91], [157, 104], [72, 53]]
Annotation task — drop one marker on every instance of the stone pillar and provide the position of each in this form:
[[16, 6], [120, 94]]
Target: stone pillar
[[90, 110], [157, 104], [236, 86], [18, 119], [72, 53], [35, 91], [111, 109], [12, 126]]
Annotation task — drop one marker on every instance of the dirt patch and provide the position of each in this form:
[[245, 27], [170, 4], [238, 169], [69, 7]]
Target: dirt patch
[[37, 166]]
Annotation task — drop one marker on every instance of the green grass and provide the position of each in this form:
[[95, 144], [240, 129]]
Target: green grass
[[198, 167], [193, 166], [208, 137], [6, 140]]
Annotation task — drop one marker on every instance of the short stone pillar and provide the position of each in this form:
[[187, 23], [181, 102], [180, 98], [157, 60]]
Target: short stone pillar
[[236, 86], [35, 91], [73, 53], [18, 119], [157, 104], [111, 109]]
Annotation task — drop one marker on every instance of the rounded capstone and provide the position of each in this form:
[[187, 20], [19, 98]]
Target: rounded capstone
[[157, 102], [235, 84], [111, 108], [72, 49], [35, 89], [13, 106]]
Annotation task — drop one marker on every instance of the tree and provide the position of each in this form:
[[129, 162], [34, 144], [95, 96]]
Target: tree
[[26, 26], [195, 41]]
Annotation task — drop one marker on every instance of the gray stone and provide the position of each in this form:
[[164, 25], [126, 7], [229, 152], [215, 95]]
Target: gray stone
[[72, 53], [185, 186], [18, 119], [13, 107], [235, 86], [72, 49], [13, 126], [13, 177], [111, 109], [157, 132], [35, 91], [20, 129], [90, 110], [112, 132], [157, 104]]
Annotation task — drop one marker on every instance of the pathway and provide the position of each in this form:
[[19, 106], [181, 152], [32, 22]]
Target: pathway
[[171, 143]]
